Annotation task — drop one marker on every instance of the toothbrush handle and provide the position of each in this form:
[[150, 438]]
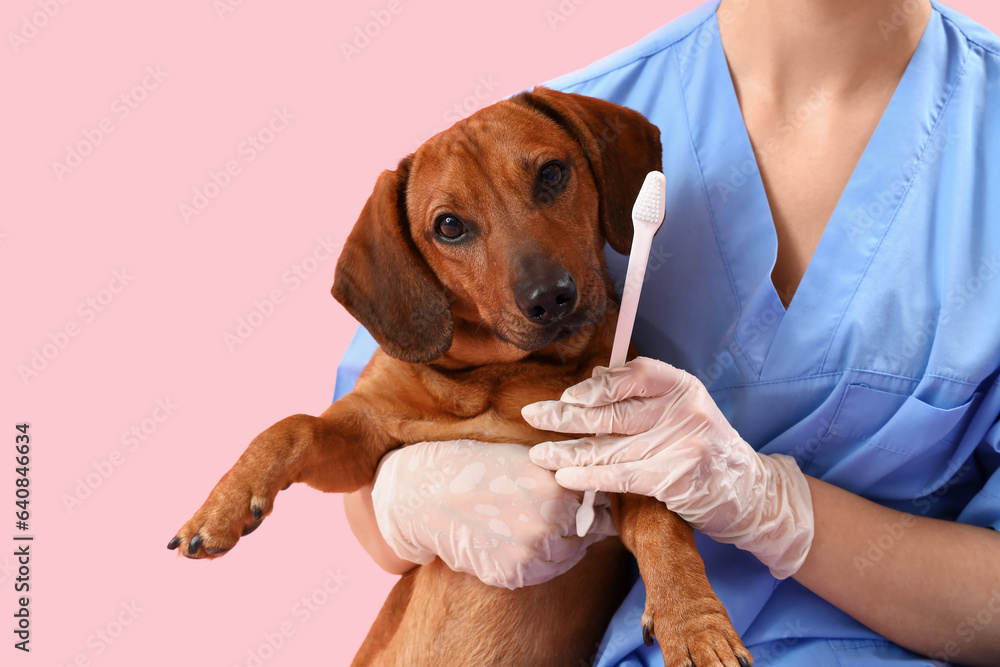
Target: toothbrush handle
[[634, 276], [585, 513]]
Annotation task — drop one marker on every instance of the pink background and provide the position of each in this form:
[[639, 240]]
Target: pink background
[[104, 590]]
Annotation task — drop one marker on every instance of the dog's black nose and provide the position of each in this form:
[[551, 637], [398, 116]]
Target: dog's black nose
[[546, 296]]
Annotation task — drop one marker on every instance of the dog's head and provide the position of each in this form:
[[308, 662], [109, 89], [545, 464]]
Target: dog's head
[[488, 241]]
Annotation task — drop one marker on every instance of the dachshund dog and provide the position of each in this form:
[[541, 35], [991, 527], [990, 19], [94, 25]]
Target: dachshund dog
[[478, 267]]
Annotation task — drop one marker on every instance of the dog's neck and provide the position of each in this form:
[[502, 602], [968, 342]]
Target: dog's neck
[[464, 382], [478, 346]]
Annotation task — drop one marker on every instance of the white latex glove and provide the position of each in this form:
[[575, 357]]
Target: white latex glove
[[483, 508], [677, 447]]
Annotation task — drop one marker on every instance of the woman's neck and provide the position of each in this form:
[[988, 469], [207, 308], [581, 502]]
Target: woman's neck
[[783, 48]]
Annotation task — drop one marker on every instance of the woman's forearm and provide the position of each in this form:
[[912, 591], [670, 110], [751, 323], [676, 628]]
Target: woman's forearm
[[932, 586], [361, 517], [929, 585]]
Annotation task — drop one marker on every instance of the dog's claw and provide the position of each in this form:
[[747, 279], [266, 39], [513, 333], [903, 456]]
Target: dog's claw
[[250, 527], [693, 641], [647, 634], [236, 507]]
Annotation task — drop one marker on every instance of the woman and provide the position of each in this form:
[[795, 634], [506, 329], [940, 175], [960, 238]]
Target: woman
[[827, 279]]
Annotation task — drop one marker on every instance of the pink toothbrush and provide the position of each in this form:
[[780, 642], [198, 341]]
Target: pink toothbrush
[[647, 216]]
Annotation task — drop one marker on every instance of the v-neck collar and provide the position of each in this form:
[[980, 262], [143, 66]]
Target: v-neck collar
[[802, 337]]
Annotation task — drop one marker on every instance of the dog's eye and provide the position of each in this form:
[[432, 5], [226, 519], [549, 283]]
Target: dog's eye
[[449, 227], [551, 174]]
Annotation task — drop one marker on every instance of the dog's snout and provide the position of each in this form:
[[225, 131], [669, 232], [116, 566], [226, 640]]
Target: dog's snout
[[547, 296]]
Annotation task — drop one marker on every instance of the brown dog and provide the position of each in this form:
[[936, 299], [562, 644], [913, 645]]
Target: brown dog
[[478, 266]]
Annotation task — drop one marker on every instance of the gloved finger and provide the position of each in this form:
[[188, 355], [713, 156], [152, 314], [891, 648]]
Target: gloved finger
[[570, 550], [511, 565], [641, 377], [558, 548], [595, 450], [628, 416], [618, 478]]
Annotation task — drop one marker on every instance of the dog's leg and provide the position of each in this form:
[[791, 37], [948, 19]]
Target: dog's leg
[[682, 611], [335, 452]]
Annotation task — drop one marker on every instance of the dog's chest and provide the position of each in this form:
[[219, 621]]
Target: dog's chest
[[426, 405], [489, 411]]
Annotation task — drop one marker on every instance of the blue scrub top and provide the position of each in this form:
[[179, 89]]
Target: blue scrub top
[[882, 375]]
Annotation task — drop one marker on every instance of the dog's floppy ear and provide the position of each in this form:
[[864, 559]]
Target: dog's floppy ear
[[384, 282], [621, 146]]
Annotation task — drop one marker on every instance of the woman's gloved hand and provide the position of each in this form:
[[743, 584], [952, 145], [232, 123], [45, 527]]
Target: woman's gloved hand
[[484, 509], [676, 446]]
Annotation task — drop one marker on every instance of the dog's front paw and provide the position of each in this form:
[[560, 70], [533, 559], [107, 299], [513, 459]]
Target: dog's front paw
[[697, 633], [236, 507]]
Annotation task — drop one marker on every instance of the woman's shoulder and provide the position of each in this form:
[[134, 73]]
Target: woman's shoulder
[[977, 36], [620, 64]]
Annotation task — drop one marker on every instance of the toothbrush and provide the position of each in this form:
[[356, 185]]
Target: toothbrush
[[647, 216]]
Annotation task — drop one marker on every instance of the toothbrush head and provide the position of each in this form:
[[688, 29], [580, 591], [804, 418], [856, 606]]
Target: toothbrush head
[[647, 214]]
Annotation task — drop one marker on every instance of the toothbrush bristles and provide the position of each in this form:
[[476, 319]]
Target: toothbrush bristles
[[649, 205]]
